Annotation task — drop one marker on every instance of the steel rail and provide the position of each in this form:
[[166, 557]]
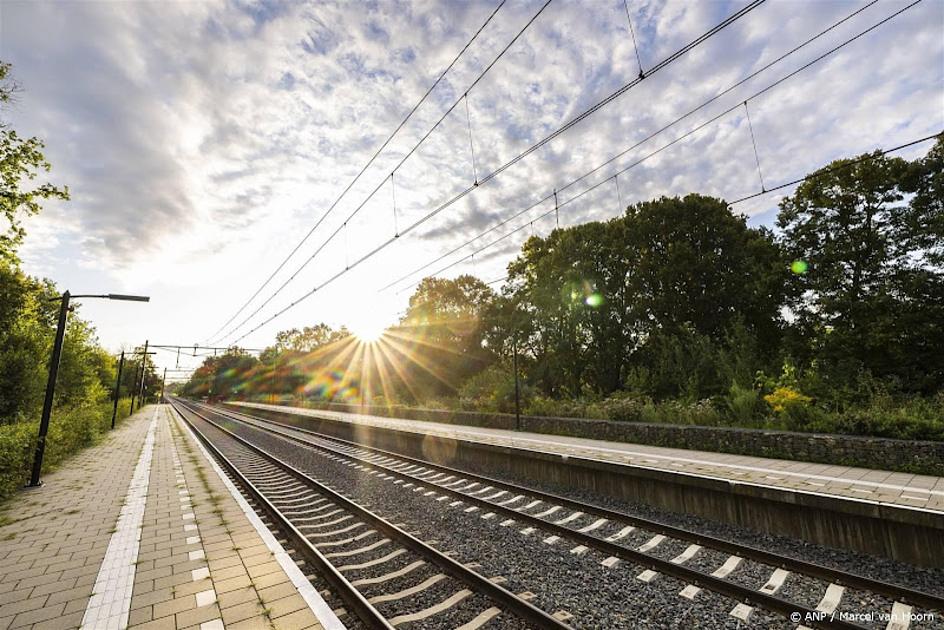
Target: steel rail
[[518, 606], [733, 590], [352, 598], [894, 591]]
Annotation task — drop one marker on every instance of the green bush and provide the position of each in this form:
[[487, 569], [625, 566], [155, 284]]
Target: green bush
[[492, 389], [679, 412], [744, 407], [621, 406], [551, 407], [918, 419], [17, 443], [70, 430]]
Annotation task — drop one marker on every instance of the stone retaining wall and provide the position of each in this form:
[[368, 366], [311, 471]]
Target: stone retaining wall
[[921, 457]]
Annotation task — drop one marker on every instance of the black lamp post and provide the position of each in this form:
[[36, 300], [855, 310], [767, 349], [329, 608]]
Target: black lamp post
[[134, 388], [143, 373], [114, 410], [139, 375], [54, 372]]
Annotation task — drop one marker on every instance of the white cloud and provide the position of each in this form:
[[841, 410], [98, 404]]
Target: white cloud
[[201, 140]]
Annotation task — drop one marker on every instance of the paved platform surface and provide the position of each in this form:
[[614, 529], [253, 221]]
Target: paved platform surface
[[142, 531], [861, 484]]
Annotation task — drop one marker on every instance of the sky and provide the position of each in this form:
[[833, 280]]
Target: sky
[[201, 141]]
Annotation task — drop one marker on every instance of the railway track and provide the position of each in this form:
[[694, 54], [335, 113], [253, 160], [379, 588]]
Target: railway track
[[364, 558], [618, 536]]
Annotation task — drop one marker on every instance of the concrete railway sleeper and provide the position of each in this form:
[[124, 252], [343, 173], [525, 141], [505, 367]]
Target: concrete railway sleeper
[[514, 501], [357, 552]]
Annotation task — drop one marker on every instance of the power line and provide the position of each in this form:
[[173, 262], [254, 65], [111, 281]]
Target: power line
[[363, 169], [397, 167], [571, 123], [664, 147], [664, 128], [839, 167], [195, 346], [813, 175], [730, 203]]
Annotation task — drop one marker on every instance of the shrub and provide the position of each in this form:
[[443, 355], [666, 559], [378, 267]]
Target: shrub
[[917, 419], [70, 430], [493, 389], [743, 405], [17, 442], [543, 406], [678, 412], [621, 407], [785, 398]]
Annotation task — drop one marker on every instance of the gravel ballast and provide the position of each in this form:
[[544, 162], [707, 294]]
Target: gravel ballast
[[577, 584]]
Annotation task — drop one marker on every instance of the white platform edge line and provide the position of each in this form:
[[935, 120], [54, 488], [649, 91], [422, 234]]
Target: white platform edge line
[[114, 584], [316, 604]]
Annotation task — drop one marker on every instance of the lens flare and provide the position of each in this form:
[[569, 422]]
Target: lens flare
[[799, 267], [594, 300]]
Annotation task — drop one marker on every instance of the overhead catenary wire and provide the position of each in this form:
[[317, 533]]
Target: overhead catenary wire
[[832, 169], [468, 117], [731, 19], [674, 122], [373, 192], [393, 193], [818, 173], [530, 223], [730, 203], [619, 195], [363, 169]]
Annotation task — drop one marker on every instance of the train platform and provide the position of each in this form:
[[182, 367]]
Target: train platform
[[907, 490], [894, 515], [145, 531]]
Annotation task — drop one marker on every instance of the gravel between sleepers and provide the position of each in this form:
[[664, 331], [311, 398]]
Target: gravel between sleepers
[[597, 596], [930, 580]]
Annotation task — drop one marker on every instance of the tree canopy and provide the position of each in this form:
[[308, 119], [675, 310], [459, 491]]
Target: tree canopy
[[678, 304], [21, 160]]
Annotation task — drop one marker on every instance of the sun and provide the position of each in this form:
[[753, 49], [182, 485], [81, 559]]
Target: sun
[[367, 330]]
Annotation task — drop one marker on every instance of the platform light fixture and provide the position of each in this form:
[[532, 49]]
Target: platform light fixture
[[64, 309]]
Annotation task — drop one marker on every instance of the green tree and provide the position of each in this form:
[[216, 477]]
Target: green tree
[[636, 295], [21, 160], [867, 237], [925, 180], [224, 376], [440, 340], [700, 267], [570, 300], [25, 338], [308, 339]]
